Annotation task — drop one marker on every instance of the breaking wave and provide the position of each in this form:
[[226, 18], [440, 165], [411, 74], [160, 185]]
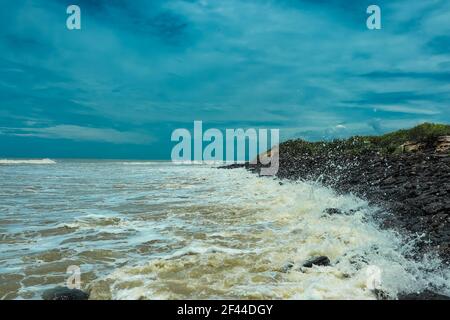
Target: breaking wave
[[28, 161], [195, 232]]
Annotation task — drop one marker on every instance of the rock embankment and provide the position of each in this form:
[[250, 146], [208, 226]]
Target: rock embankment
[[407, 172], [414, 187]]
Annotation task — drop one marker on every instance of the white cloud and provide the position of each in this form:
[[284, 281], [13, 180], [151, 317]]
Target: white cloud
[[411, 109], [78, 133]]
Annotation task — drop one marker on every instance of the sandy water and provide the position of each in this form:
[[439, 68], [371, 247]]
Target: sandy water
[[155, 230]]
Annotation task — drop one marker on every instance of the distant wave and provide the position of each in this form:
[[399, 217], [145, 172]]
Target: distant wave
[[198, 162], [34, 161], [140, 163]]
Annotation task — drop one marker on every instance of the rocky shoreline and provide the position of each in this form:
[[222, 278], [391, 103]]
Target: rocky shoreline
[[414, 188], [407, 173]]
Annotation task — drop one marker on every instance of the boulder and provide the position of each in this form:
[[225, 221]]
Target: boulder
[[424, 295], [332, 211], [288, 266], [336, 211], [317, 261], [64, 293], [380, 294]]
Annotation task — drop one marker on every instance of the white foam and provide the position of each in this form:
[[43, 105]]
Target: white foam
[[140, 163], [257, 226], [197, 232], [28, 161]]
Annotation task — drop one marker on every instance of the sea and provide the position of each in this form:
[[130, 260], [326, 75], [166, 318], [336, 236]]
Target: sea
[[159, 230]]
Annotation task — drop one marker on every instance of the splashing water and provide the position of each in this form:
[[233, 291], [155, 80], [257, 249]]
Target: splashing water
[[155, 230]]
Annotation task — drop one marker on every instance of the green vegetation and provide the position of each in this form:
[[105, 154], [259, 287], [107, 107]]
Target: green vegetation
[[389, 143]]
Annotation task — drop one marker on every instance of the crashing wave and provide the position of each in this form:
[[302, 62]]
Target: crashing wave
[[31, 161]]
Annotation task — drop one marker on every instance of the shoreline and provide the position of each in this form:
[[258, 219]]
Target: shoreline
[[411, 182]]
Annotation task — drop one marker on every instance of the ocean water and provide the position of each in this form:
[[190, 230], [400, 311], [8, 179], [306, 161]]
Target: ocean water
[[155, 230]]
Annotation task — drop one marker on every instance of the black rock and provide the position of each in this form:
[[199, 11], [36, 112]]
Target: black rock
[[332, 211], [288, 266], [424, 295], [380, 294], [317, 261], [64, 293]]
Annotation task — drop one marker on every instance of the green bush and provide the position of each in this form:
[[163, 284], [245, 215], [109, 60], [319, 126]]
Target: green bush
[[387, 144]]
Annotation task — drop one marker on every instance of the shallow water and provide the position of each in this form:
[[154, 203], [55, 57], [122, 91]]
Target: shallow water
[[154, 230]]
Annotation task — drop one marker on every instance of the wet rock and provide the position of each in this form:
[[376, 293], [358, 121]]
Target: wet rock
[[332, 211], [380, 294], [424, 295], [64, 293], [336, 211], [317, 261], [288, 266], [233, 166]]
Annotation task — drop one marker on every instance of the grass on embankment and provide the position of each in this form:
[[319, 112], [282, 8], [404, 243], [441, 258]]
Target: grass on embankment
[[389, 143]]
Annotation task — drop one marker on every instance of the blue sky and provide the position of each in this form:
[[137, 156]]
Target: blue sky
[[139, 69]]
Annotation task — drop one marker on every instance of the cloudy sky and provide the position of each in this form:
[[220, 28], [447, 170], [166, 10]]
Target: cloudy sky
[[139, 69]]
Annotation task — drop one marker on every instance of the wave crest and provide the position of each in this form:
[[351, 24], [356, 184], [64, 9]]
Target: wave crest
[[29, 161]]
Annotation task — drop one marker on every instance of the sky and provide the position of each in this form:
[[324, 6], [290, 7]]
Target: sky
[[137, 70]]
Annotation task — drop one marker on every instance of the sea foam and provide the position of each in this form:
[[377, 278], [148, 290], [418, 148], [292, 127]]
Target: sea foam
[[26, 161]]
